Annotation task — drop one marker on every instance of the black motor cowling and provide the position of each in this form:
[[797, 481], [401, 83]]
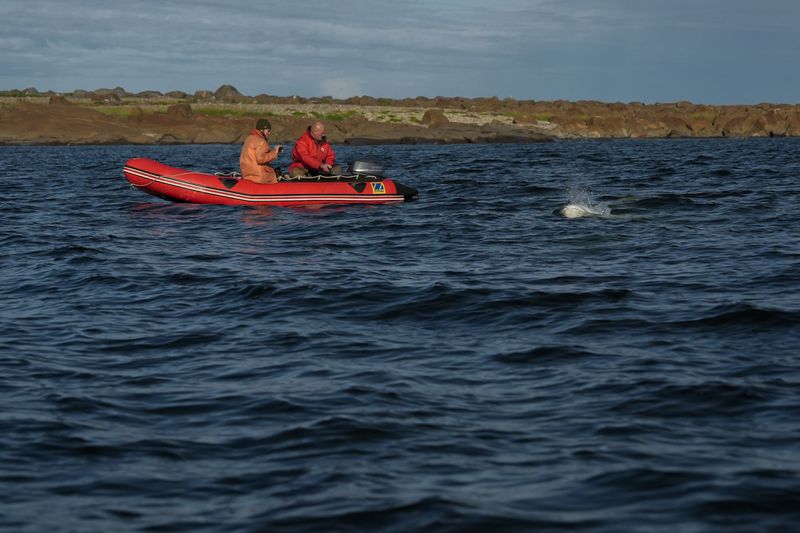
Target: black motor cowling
[[366, 167]]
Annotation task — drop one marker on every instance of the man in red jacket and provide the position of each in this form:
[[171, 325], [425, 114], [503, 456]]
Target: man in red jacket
[[312, 155], [256, 154]]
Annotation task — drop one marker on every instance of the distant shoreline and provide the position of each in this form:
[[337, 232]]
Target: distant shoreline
[[114, 116]]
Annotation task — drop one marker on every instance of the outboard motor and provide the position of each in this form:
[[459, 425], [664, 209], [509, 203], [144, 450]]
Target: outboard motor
[[366, 167]]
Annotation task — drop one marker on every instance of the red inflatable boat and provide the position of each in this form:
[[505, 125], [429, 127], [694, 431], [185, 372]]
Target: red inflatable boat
[[365, 186]]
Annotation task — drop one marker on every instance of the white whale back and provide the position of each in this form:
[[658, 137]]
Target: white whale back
[[578, 211]]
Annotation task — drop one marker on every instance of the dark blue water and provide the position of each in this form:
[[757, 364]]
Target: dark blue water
[[468, 361]]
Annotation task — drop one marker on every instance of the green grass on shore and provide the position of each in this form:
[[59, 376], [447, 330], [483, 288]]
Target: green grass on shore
[[125, 112], [336, 116], [122, 111], [229, 112]]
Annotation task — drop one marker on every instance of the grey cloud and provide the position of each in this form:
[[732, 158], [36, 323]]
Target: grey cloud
[[605, 49]]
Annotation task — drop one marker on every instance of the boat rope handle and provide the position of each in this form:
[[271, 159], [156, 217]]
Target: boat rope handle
[[153, 180], [331, 177]]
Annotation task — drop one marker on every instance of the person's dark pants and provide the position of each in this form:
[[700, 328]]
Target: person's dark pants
[[302, 171]]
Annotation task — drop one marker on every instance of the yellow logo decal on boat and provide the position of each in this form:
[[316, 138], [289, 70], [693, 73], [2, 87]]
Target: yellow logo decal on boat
[[378, 188]]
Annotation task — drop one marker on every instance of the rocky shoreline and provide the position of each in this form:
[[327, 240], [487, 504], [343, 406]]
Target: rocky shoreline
[[114, 116]]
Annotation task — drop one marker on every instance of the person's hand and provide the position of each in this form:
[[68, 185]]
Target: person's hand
[[325, 167]]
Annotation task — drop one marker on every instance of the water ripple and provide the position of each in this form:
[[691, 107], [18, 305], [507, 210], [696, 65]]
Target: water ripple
[[467, 361]]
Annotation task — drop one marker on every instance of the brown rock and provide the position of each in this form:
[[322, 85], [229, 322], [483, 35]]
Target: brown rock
[[607, 126], [58, 99], [775, 123], [477, 120], [229, 94], [434, 118], [179, 111], [105, 98], [745, 125], [793, 123], [484, 105], [676, 126], [266, 99], [359, 101], [204, 96], [62, 124], [137, 113], [149, 94], [118, 91]]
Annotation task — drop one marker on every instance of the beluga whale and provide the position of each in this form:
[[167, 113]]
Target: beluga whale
[[579, 210]]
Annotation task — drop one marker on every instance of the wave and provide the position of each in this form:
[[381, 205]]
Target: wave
[[743, 314], [739, 319], [753, 501], [466, 361], [647, 480], [664, 201], [485, 304], [699, 400], [146, 342], [542, 354], [434, 513]]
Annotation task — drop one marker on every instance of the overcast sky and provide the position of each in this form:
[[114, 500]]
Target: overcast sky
[[704, 51]]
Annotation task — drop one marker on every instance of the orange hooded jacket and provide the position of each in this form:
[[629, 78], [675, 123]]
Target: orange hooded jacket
[[310, 153], [255, 158]]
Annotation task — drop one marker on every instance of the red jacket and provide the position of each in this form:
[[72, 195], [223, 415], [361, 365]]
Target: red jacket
[[255, 158], [310, 153]]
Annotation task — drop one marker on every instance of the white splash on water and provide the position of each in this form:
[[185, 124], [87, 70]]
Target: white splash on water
[[581, 204]]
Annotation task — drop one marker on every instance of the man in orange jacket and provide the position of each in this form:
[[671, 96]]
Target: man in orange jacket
[[256, 154], [312, 154]]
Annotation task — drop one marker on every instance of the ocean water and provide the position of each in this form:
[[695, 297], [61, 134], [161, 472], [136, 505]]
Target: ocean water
[[473, 360]]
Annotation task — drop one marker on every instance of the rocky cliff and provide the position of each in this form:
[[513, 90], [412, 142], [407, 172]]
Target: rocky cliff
[[109, 116]]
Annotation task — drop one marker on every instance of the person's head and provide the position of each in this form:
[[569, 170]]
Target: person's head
[[263, 125], [317, 130]]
